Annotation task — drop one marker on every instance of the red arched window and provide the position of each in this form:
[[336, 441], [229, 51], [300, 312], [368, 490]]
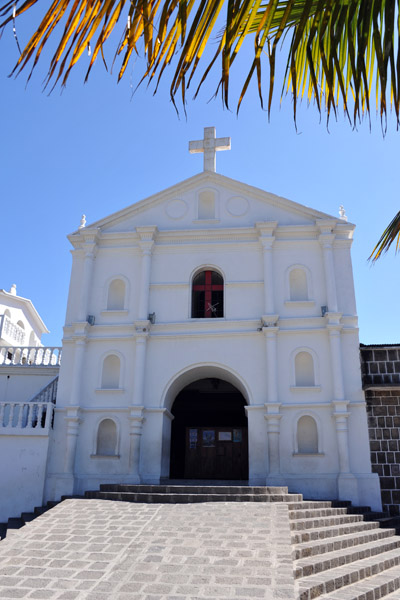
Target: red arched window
[[208, 295]]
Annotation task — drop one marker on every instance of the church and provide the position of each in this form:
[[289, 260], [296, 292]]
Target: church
[[211, 334]]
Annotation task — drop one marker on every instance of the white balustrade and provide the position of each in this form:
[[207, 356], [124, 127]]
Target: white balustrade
[[25, 416], [11, 332], [30, 356]]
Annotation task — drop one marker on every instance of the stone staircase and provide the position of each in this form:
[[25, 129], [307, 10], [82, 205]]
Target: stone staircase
[[342, 556], [15, 523], [337, 555]]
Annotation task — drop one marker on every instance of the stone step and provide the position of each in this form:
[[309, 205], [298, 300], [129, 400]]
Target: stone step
[[331, 560], [15, 523], [331, 532], [307, 504], [391, 596], [160, 498], [314, 513], [191, 489], [385, 585], [333, 520], [28, 517], [332, 544], [334, 579]]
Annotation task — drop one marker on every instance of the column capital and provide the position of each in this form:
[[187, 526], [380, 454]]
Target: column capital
[[266, 230], [326, 226], [340, 407], [80, 331], [273, 409], [136, 419], [142, 328], [73, 419], [146, 247], [88, 242], [136, 412], [269, 324], [147, 233]]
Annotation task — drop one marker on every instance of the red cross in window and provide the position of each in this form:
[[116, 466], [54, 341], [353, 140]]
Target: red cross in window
[[208, 288]]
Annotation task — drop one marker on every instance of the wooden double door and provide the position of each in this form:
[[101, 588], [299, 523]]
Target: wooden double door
[[216, 453]]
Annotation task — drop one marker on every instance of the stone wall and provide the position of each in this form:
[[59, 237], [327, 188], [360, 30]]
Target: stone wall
[[380, 367]]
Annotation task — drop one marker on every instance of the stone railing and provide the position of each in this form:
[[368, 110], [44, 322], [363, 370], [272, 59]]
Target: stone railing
[[30, 356], [11, 332], [25, 416], [48, 393]]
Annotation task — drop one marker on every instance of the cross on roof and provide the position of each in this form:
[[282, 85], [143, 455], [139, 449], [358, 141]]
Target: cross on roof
[[209, 146]]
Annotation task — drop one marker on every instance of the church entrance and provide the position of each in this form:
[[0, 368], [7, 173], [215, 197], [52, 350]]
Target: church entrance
[[209, 432]]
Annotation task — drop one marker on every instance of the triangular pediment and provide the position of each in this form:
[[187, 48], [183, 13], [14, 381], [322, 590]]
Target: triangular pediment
[[236, 205]]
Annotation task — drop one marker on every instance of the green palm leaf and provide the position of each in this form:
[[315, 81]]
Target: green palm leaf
[[339, 53], [391, 234]]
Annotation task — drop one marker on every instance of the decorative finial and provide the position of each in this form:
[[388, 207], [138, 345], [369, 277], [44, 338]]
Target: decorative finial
[[342, 213], [209, 146], [13, 289], [83, 222]]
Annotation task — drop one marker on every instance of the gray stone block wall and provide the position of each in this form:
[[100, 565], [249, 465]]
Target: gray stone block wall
[[380, 368], [380, 365]]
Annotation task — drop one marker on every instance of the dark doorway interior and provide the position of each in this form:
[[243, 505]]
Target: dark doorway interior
[[209, 432]]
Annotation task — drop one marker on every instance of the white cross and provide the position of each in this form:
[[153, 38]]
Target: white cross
[[209, 146]]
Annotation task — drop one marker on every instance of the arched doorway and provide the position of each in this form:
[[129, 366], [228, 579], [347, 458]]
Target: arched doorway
[[209, 432]]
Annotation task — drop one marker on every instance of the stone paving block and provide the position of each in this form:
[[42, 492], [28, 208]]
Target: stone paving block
[[44, 594], [14, 592]]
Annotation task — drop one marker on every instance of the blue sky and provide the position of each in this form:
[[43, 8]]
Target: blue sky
[[95, 149]]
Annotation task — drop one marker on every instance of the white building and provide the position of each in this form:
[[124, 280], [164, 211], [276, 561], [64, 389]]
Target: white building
[[211, 332], [28, 387], [20, 323]]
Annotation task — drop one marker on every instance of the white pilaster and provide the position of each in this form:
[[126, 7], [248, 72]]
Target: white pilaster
[[136, 413], [270, 332], [146, 244], [89, 248], [142, 333], [73, 420], [272, 406], [135, 432], [326, 240], [273, 418], [267, 239], [347, 483], [79, 359]]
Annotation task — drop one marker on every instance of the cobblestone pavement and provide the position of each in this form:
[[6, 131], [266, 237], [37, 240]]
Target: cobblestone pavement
[[104, 550]]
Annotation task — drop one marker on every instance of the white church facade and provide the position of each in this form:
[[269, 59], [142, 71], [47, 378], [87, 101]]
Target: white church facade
[[211, 333]]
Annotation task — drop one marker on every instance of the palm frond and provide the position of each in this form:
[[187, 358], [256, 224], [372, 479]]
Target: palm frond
[[391, 233], [341, 53]]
